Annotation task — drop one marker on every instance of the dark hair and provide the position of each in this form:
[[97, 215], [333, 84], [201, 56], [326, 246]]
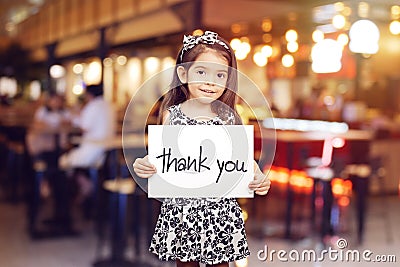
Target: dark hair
[[179, 94], [94, 89], [50, 95]]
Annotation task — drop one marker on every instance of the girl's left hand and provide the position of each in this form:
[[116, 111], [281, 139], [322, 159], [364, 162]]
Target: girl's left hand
[[261, 182]]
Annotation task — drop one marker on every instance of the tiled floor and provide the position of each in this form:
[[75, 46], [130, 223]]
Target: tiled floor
[[18, 250]]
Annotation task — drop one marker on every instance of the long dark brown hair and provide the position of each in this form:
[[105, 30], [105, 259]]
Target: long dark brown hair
[[179, 94]]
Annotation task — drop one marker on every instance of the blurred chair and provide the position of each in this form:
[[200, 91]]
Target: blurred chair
[[362, 175], [15, 161], [322, 175]]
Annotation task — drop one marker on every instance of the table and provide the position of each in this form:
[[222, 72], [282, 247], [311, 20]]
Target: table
[[291, 137], [115, 144]]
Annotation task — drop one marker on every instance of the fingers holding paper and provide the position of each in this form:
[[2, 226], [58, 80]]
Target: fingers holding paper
[[261, 182], [143, 168]]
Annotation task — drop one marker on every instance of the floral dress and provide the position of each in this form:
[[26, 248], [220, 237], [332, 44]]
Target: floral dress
[[206, 230]]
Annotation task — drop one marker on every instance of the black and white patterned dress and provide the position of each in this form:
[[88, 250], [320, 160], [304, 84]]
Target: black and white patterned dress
[[206, 230]]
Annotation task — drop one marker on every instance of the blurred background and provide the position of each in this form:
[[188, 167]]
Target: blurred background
[[329, 71]]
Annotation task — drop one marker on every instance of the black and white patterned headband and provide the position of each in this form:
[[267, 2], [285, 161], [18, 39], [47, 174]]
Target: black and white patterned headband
[[209, 37]]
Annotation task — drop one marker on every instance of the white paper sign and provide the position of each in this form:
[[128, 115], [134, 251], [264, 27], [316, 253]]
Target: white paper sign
[[201, 160]]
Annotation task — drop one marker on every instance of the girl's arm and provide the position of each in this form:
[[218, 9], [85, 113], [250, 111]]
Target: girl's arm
[[261, 182], [142, 166]]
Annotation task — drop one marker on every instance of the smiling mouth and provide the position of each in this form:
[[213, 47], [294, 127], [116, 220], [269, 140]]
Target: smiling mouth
[[207, 91]]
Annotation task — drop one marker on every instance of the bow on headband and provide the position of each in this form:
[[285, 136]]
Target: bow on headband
[[209, 37]]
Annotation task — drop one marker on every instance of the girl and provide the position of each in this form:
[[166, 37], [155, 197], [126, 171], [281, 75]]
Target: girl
[[207, 230]]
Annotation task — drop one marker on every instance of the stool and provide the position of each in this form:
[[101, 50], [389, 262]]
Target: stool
[[120, 189], [359, 175], [94, 171], [39, 168], [15, 162], [321, 174], [3, 151], [94, 176]]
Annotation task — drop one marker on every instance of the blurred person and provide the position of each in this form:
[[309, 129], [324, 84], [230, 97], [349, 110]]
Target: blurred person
[[45, 140], [97, 120], [47, 122], [4, 100]]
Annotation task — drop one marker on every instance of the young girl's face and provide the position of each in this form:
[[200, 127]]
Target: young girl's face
[[207, 76]]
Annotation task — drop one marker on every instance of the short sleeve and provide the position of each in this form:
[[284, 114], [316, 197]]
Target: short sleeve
[[40, 114]]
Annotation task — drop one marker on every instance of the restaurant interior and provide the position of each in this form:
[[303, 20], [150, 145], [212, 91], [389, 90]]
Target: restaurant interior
[[318, 79]]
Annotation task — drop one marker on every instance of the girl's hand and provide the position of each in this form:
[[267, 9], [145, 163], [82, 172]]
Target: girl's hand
[[143, 168], [261, 182]]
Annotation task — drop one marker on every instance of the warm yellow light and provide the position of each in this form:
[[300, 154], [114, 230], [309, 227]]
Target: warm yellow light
[[363, 9], [77, 89], [346, 11], [339, 21], [57, 71], [241, 47], [329, 100], [10, 26], [197, 32], [121, 60], [266, 25], [343, 39], [77, 68], [318, 35], [167, 62], [240, 55], [267, 37], [395, 27], [235, 43], [245, 215], [8, 86], [260, 59], [107, 62], [244, 39], [242, 263], [291, 36], [287, 61], [267, 50], [245, 46], [135, 74], [364, 37], [395, 12], [151, 65], [35, 90], [339, 6], [134, 69], [292, 47], [326, 56], [236, 28], [92, 75]]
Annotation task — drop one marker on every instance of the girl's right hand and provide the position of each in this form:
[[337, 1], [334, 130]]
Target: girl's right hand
[[143, 168]]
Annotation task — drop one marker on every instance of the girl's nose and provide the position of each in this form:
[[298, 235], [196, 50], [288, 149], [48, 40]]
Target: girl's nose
[[210, 83]]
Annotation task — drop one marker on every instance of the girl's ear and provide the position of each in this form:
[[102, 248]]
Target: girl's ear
[[182, 74]]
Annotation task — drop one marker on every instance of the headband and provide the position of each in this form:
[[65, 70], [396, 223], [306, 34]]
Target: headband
[[209, 37]]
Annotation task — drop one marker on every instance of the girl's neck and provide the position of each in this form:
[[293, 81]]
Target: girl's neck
[[197, 109]]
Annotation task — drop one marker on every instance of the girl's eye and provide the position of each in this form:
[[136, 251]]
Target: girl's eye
[[201, 72], [221, 75]]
